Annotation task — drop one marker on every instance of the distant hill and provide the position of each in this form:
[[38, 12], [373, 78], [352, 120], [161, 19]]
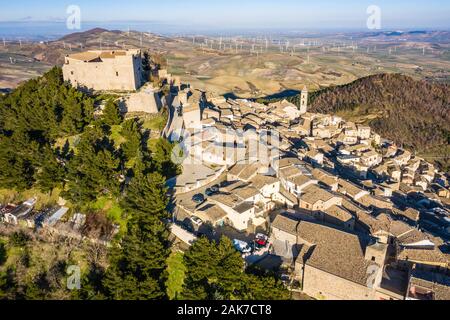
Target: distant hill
[[415, 114], [78, 36]]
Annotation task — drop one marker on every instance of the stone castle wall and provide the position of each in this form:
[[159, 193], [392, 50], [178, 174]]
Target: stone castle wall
[[121, 73]]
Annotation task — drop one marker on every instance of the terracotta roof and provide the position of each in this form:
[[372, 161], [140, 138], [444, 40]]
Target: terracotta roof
[[398, 228], [324, 177], [439, 283], [336, 252], [433, 256], [339, 213], [300, 180], [289, 172], [211, 212], [84, 56], [227, 199], [286, 162], [288, 195], [313, 194], [409, 213], [350, 188], [286, 224], [243, 207], [249, 171], [259, 181], [412, 236]]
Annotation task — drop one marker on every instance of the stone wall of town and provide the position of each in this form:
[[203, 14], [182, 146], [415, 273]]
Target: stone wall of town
[[323, 285]]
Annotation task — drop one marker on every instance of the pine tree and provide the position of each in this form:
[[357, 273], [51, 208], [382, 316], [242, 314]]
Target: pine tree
[[162, 159], [216, 271], [138, 265], [52, 172], [111, 113], [262, 288], [146, 194], [213, 270], [131, 131], [94, 169]]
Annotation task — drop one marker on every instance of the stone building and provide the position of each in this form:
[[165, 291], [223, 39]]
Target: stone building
[[304, 101], [118, 70], [329, 263]]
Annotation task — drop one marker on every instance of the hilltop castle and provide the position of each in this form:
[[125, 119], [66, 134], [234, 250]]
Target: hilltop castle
[[118, 70]]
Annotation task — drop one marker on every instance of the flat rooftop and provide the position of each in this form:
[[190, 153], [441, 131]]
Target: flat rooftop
[[97, 55]]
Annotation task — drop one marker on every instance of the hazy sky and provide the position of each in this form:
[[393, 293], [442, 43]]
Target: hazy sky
[[319, 14]]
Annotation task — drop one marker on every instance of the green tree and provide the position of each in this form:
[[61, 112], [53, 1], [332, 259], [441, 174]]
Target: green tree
[[111, 113], [162, 159], [94, 169], [3, 253], [131, 131], [138, 264], [52, 172], [215, 271], [266, 287], [32, 117]]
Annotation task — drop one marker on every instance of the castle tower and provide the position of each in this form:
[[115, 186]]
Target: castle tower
[[304, 101]]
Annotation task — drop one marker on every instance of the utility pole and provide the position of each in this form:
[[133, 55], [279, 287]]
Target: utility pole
[[4, 42]]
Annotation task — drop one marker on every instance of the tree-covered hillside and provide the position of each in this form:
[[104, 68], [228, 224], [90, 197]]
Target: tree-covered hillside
[[107, 168], [414, 114]]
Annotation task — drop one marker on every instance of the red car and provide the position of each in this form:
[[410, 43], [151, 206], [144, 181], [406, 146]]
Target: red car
[[261, 240]]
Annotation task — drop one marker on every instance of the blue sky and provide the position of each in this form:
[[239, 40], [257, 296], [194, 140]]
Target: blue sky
[[319, 14]]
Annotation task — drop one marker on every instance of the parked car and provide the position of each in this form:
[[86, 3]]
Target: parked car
[[242, 246], [196, 221], [286, 279], [198, 198], [262, 240], [210, 192], [215, 188]]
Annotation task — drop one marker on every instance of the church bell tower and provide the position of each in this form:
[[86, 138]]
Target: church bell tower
[[304, 101]]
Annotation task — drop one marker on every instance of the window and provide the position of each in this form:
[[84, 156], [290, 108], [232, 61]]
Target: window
[[71, 72], [117, 74], [373, 259]]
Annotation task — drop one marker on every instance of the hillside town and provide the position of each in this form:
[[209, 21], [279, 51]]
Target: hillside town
[[337, 210]]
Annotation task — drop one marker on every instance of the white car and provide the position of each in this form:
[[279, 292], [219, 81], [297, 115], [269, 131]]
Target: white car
[[242, 246]]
